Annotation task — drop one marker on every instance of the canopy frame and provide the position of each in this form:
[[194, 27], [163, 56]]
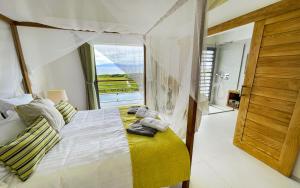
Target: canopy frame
[[192, 105], [256, 15]]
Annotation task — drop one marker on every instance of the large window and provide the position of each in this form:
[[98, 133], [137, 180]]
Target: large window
[[120, 72]]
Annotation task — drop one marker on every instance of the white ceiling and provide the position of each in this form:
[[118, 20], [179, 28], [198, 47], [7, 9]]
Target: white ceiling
[[127, 16], [235, 8]]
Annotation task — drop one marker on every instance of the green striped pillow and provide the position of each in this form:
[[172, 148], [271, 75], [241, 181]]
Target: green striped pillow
[[23, 154], [66, 110]]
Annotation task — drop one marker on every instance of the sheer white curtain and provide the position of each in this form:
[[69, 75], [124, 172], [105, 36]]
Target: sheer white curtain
[[173, 44], [42, 46], [173, 51], [123, 16], [10, 74]]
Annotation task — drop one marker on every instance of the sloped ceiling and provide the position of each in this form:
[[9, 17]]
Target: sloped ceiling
[[235, 8], [135, 16]]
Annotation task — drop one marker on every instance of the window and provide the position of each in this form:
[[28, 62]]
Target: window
[[207, 71], [120, 71]]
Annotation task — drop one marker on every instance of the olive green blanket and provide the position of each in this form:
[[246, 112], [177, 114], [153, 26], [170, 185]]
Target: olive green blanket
[[162, 160]]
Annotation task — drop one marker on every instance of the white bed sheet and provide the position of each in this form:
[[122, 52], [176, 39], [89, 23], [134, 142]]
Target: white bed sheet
[[93, 152]]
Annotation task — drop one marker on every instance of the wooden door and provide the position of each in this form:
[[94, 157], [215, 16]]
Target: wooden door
[[268, 125]]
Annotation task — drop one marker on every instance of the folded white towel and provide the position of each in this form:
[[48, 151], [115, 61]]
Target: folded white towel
[[143, 112], [155, 124]]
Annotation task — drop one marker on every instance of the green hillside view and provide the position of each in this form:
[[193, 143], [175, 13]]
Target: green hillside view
[[116, 83]]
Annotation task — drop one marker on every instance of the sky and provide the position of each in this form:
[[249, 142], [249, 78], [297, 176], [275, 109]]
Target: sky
[[114, 59], [105, 66]]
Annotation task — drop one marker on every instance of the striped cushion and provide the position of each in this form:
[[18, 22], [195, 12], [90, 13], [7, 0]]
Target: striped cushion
[[66, 110], [23, 154]]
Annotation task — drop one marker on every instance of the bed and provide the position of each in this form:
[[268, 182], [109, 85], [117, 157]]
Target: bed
[[96, 151], [156, 162]]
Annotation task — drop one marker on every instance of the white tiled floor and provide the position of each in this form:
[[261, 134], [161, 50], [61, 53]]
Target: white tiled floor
[[217, 109], [217, 163]]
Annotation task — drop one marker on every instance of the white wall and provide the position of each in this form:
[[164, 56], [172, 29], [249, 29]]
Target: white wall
[[296, 172], [65, 73]]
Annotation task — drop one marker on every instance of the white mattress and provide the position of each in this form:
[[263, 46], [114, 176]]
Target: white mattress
[[93, 152]]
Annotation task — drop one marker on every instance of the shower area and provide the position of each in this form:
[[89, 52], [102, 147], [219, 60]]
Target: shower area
[[225, 60]]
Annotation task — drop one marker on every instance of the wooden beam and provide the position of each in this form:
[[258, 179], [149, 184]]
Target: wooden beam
[[17, 43], [195, 80], [34, 24], [280, 7], [190, 132], [39, 25], [145, 76], [5, 19]]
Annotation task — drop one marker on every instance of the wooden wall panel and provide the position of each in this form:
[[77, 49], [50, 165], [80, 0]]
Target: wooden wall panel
[[281, 38], [265, 130], [268, 126], [282, 26], [278, 83], [262, 139], [280, 50], [273, 153], [281, 94], [280, 105], [271, 113]]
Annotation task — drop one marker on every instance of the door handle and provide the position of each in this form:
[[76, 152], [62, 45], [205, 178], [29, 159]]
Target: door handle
[[243, 90]]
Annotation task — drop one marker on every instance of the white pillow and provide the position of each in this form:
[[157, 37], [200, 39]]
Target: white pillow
[[49, 102], [10, 128], [29, 112], [3, 174], [9, 104]]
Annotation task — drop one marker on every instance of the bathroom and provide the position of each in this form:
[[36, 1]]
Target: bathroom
[[228, 52]]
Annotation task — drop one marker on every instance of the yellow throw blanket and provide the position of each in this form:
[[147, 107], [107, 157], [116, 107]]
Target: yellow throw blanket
[[162, 160]]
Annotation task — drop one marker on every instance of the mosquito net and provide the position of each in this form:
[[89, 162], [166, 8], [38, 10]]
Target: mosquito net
[[42, 46], [125, 16], [173, 50], [10, 75], [172, 30]]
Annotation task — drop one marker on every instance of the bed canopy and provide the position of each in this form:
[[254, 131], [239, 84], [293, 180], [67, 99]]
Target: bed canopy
[[172, 32]]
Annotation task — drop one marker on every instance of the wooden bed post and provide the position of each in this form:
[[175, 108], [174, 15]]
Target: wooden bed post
[[15, 35], [195, 80], [190, 132], [26, 80]]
